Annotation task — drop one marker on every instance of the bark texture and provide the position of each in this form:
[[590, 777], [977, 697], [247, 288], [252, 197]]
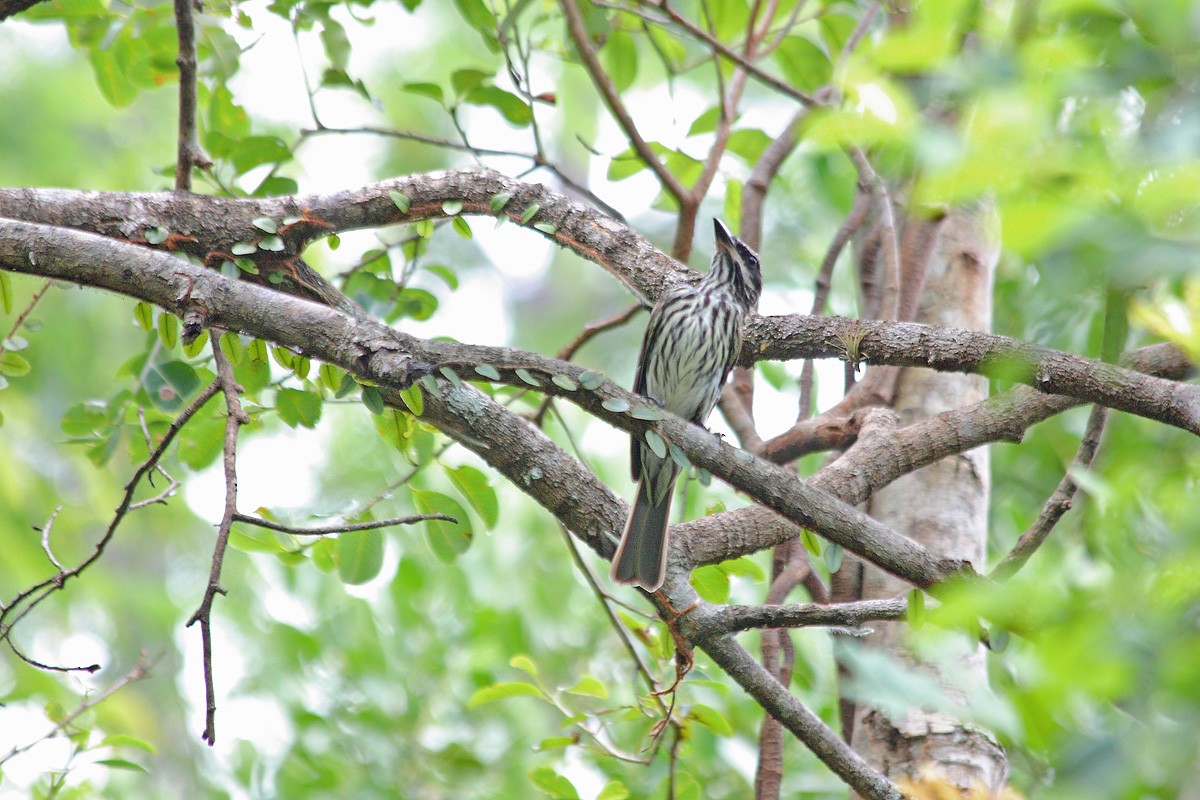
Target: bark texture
[[944, 507]]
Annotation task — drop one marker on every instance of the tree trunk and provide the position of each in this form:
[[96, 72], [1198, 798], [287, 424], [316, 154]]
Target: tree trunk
[[943, 506]]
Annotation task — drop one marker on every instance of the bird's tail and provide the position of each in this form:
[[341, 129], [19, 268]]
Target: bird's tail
[[641, 557]]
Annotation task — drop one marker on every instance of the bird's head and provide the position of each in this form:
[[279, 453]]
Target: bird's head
[[736, 266]]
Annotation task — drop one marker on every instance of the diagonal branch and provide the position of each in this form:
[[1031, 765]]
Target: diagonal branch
[[612, 98]]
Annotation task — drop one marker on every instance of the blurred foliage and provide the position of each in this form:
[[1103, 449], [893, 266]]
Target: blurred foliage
[[470, 659]]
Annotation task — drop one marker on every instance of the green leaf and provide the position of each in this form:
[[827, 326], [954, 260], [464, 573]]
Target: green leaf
[[498, 201], [916, 608], [449, 374], [464, 80], [452, 207], [461, 227], [615, 404], [202, 440], [554, 743], [833, 557], [120, 763], [546, 228], [414, 399], [529, 213], [330, 376], [401, 201], [613, 790], [300, 366], [591, 380], [196, 346], [500, 691], [620, 59], [415, 304], [810, 541], [252, 151], [298, 407], [272, 244], [265, 224], [447, 540], [6, 292], [243, 249], [564, 382], [589, 687], [473, 485], [804, 64], [430, 90], [553, 785], [84, 420], [169, 384], [157, 235], [647, 412], [511, 107], [13, 365], [231, 345], [711, 718], [528, 378], [168, 329], [359, 556], [525, 664], [254, 540], [488, 371], [336, 43], [257, 350], [678, 456], [283, 357], [125, 740], [445, 273], [711, 583], [656, 443], [424, 228], [253, 375], [394, 426]]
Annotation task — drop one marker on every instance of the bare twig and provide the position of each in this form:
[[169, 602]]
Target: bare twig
[[236, 418], [33, 301], [1059, 503], [189, 154], [612, 98], [46, 538], [135, 674], [344, 528], [29, 598], [853, 221], [593, 329]]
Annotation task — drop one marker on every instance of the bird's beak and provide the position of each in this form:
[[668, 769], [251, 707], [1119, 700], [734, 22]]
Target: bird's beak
[[724, 238]]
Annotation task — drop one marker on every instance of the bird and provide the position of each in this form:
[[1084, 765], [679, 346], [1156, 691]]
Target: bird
[[691, 341]]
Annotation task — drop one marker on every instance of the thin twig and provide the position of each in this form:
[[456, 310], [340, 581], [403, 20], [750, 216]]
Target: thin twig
[[1060, 501], [38, 592], [604, 600], [593, 329], [135, 674], [612, 97], [721, 48], [33, 301], [235, 419], [189, 149], [46, 538], [335, 529]]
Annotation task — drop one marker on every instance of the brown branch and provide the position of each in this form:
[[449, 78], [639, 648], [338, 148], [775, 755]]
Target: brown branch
[[723, 50], [10, 7], [189, 154], [593, 329], [612, 98], [882, 454], [235, 418], [330, 530], [135, 674], [824, 282], [1060, 501], [734, 618], [29, 598]]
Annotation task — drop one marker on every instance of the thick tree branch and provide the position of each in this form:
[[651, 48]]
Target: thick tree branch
[[733, 618], [803, 723], [389, 358], [203, 223], [883, 453]]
